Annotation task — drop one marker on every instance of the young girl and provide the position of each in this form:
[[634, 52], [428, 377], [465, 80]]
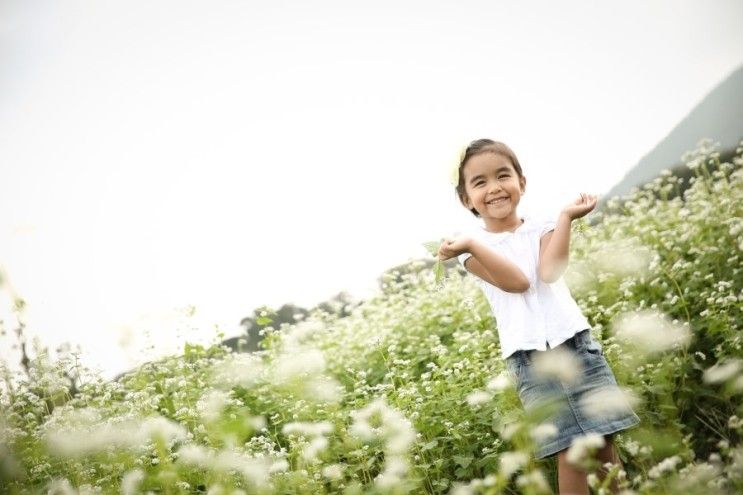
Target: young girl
[[519, 262]]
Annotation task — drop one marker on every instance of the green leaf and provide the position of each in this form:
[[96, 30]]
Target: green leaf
[[438, 271], [432, 247], [463, 460], [430, 445]]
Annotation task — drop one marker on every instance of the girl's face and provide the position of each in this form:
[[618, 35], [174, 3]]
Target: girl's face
[[493, 188]]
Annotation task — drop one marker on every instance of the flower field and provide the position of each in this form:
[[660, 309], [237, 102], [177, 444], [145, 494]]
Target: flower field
[[408, 393]]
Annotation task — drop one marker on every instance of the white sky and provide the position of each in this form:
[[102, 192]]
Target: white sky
[[228, 154]]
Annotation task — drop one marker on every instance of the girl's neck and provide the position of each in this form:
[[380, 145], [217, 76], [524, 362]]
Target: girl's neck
[[498, 226]]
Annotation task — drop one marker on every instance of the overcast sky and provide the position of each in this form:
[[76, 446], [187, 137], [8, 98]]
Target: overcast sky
[[229, 154]]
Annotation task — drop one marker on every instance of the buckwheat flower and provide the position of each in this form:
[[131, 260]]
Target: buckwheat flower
[[722, 371], [557, 363], [162, 428], [254, 470], [500, 382], [543, 432], [395, 468], [238, 369], [632, 259], [462, 489], [608, 402], [583, 446], [509, 429], [323, 389], [478, 398], [697, 474], [288, 367], [195, 455], [210, 404], [651, 331], [308, 429], [60, 487], [393, 428], [592, 480], [734, 422], [510, 462], [534, 479], [666, 465], [310, 451], [130, 481], [278, 466], [333, 471]]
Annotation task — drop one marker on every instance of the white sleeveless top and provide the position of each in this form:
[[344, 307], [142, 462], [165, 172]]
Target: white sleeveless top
[[546, 314]]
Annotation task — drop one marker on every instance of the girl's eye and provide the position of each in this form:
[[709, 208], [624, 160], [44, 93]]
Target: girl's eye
[[503, 176], [479, 183]]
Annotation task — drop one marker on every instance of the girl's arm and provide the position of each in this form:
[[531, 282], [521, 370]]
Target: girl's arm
[[486, 264], [554, 247]]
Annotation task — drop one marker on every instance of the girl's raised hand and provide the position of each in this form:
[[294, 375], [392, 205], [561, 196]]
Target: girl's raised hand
[[451, 248], [581, 206]]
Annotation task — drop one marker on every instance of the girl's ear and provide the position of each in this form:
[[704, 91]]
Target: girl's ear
[[522, 180]]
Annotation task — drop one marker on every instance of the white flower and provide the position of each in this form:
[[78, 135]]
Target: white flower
[[651, 331], [666, 465], [333, 471], [557, 363], [395, 468], [195, 454], [210, 404], [629, 259], [296, 365], [238, 369], [723, 371], [308, 429], [394, 428], [509, 429], [510, 462], [129, 433], [583, 446], [278, 466], [543, 432], [60, 487], [593, 480], [130, 481], [500, 382], [608, 402], [478, 398], [462, 489], [534, 479]]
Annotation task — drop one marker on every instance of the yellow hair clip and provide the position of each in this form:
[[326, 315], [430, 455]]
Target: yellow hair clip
[[454, 174]]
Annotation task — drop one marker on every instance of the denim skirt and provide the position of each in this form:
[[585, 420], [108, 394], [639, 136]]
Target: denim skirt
[[574, 412]]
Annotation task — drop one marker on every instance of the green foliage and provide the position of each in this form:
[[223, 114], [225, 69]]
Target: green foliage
[[407, 393]]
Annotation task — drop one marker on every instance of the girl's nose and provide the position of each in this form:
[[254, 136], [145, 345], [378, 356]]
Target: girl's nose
[[494, 186]]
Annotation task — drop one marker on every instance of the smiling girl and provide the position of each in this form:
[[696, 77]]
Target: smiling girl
[[518, 262]]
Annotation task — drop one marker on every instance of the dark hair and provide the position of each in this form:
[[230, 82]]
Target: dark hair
[[478, 147]]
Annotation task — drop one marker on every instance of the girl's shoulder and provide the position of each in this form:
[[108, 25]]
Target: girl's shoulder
[[539, 225]]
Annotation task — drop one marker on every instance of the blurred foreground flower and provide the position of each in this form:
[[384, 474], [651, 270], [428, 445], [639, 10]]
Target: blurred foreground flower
[[608, 402], [130, 433], [584, 446], [651, 331], [253, 470], [557, 363], [723, 371], [510, 462]]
